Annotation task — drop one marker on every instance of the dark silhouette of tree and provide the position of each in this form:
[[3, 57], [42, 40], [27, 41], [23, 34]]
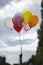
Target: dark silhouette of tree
[[39, 53], [32, 60], [3, 61], [15, 64]]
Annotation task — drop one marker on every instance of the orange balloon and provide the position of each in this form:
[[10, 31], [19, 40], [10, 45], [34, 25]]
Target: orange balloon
[[34, 21]]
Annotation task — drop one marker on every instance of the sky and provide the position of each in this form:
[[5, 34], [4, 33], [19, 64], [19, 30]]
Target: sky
[[9, 39]]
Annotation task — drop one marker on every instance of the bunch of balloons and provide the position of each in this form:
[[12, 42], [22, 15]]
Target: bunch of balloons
[[21, 20]]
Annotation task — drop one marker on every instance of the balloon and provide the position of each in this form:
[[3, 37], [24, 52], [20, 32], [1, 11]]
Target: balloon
[[27, 16], [26, 27], [33, 21], [18, 19], [8, 23], [18, 29]]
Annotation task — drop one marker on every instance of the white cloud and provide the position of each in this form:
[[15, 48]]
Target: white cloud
[[1, 13], [12, 8], [29, 47], [2, 44], [24, 36]]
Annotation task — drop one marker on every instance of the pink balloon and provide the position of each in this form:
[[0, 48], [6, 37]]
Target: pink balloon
[[26, 27]]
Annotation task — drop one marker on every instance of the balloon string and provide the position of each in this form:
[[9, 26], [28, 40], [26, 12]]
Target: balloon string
[[20, 43], [23, 35]]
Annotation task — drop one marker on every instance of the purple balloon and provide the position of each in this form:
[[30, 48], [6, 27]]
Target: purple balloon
[[18, 19]]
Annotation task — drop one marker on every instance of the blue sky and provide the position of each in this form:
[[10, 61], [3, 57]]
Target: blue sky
[[9, 39]]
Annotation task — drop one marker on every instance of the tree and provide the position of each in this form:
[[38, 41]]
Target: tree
[[32, 60], [39, 53], [3, 61]]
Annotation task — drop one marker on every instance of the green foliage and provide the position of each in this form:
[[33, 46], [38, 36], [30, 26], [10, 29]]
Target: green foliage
[[39, 53], [42, 3]]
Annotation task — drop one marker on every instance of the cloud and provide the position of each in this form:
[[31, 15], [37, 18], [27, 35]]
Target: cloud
[[2, 44], [17, 42], [8, 2], [16, 1], [30, 47], [4, 3], [23, 39]]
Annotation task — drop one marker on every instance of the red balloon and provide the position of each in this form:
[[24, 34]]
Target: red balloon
[[18, 29]]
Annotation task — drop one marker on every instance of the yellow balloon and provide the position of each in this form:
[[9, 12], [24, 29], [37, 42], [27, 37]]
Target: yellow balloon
[[27, 16], [34, 21]]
